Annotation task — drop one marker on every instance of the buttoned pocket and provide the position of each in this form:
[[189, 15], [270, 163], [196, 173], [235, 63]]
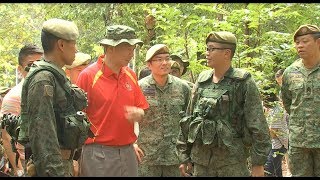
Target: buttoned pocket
[[296, 86]]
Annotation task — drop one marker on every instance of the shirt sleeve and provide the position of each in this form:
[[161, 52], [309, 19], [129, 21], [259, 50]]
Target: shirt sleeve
[[285, 93], [256, 123], [183, 148], [43, 135]]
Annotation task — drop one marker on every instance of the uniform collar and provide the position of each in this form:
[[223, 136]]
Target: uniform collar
[[152, 81], [228, 73]]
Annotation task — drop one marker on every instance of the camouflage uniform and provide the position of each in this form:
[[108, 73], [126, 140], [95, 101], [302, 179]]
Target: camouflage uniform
[[178, 59], [301, 99], [48, 108], [225, 121], [160, 126]]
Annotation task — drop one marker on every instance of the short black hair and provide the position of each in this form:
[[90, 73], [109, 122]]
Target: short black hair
[[26, 50], [47, 41]]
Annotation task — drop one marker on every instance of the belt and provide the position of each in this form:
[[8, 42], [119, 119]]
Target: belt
[[67, 154]]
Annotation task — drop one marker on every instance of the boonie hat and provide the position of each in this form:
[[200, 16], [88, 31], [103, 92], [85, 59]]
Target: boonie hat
[[306, 29], [223, 37], [117, 34], [185, 63], [80, 59], [61, 28], [175, 65], [155, 50]]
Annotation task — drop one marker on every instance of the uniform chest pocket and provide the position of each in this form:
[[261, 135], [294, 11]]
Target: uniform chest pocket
[[152, 102], [176, 105], [296, 86], [216, 98], [225, 104], [213, 93]]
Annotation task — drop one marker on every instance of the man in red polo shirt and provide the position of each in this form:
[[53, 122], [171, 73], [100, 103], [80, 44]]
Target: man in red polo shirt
[[115, 102]]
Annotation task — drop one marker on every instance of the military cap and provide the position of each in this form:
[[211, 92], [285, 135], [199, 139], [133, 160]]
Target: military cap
[[4, 90], [117, 34], [306, 29], [61, 28], [155, 50], [175, 65], [185, 63], [80, 59], [222, 37]]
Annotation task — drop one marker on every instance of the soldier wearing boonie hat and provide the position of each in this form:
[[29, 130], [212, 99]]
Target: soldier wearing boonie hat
[[183, 63], [168, 96], [175, 69], [116, 103], [45, 97], [80, 62], [300, 95], [223, 94], [80, 59]]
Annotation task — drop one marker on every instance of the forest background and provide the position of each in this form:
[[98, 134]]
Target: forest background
[[264, 32]]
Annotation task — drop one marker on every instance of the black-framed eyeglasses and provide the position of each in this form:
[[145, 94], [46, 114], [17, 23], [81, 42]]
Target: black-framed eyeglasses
[[211, 49]]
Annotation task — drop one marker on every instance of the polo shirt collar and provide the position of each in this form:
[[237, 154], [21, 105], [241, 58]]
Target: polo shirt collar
[[106, 70]]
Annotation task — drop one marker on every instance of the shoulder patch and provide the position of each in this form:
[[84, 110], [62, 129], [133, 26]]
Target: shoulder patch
[[48, 90], [205, 75], [240, 74]]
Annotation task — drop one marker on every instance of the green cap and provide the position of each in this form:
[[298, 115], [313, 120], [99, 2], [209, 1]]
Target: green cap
[[80, 59], [175, 65], [61, 28], [185, 63], [156, 49], [4, 90], [306, 29], [223, 37], [117, 34]]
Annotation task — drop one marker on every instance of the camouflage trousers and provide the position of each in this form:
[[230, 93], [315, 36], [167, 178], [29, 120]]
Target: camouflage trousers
[[68, 166], [304, 162], [232, 170], [158, 170], [211, 160]]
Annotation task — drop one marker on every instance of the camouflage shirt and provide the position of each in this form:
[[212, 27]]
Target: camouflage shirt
[[44, 94], [159, 129], [233, 113], [301, 99]]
